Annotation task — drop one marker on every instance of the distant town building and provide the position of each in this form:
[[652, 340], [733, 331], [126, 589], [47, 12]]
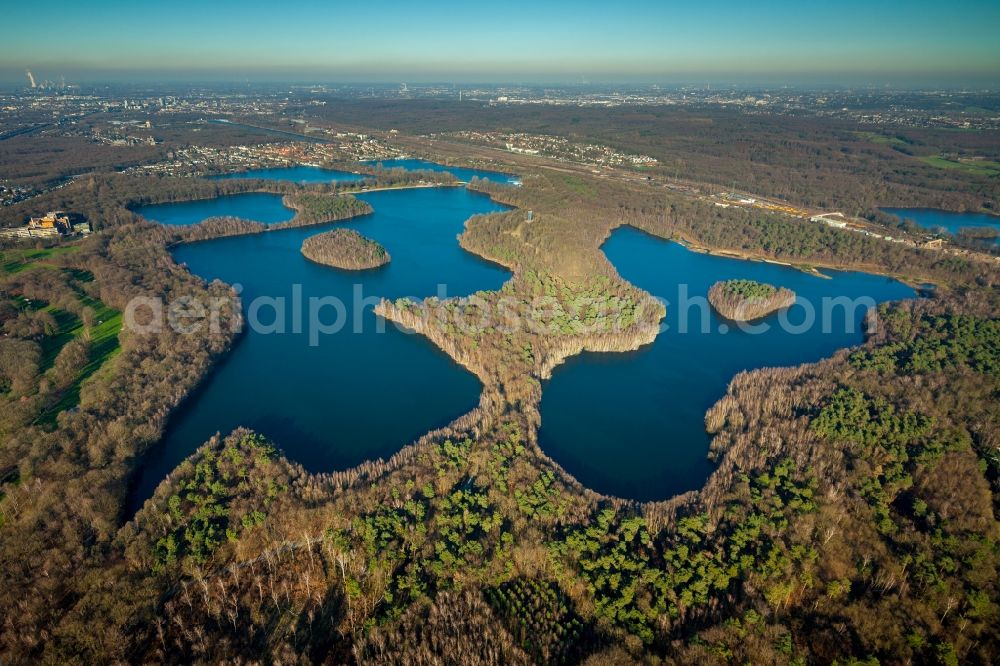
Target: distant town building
[[835, 220], [518, 149]]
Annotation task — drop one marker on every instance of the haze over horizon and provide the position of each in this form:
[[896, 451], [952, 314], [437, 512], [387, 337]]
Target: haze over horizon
[[720, 40]]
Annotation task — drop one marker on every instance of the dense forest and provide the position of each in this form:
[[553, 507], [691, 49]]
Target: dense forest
[[82, 404], [831, 164], [344, 248], [851, 518], [321, 208], [743, 300]]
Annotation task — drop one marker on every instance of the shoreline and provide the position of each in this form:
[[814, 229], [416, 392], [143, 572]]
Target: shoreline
[[293, 223]]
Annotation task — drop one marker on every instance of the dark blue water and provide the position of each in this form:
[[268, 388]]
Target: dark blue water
[[354, 396], [463, 174], [303, 175], [933, 219], [257, 206], [632, 425]]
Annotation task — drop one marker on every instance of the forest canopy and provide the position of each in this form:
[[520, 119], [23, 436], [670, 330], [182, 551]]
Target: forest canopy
[[346, 249], [743, 300]]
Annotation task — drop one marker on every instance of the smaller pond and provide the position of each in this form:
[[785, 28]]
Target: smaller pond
[[301, 174], [934, 219], [257, 206], [462, 173]]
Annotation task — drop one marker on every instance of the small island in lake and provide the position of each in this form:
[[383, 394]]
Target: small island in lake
[[743, 300], [346, 249]]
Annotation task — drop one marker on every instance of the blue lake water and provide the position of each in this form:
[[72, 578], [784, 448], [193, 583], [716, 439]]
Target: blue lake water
[[625, 424], [258, 206], [463, 174], [303, 175], [632, 425], [931, 218], [354, 396]]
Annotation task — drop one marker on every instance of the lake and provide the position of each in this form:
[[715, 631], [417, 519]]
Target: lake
[[354, 396], [933, 219], [301, 174], [259, 206], [461, 173], [629, 424], [632, 424]]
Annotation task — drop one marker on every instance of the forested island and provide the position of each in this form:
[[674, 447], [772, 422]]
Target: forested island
[[743, 300], [346, 249]]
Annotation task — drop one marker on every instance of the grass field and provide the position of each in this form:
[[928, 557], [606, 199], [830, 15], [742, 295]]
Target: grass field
[[103, 334], [881, 139], [983, 168], [104, 346], [15, 261], [977, 167], [578, 185]]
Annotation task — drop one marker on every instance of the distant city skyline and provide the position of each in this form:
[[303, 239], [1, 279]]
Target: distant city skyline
[[845, 42]]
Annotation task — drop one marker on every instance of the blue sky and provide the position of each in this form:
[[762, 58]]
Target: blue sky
[[506, 40]]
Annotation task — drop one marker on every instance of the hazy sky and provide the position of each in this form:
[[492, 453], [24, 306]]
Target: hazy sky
[[505, 40]]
